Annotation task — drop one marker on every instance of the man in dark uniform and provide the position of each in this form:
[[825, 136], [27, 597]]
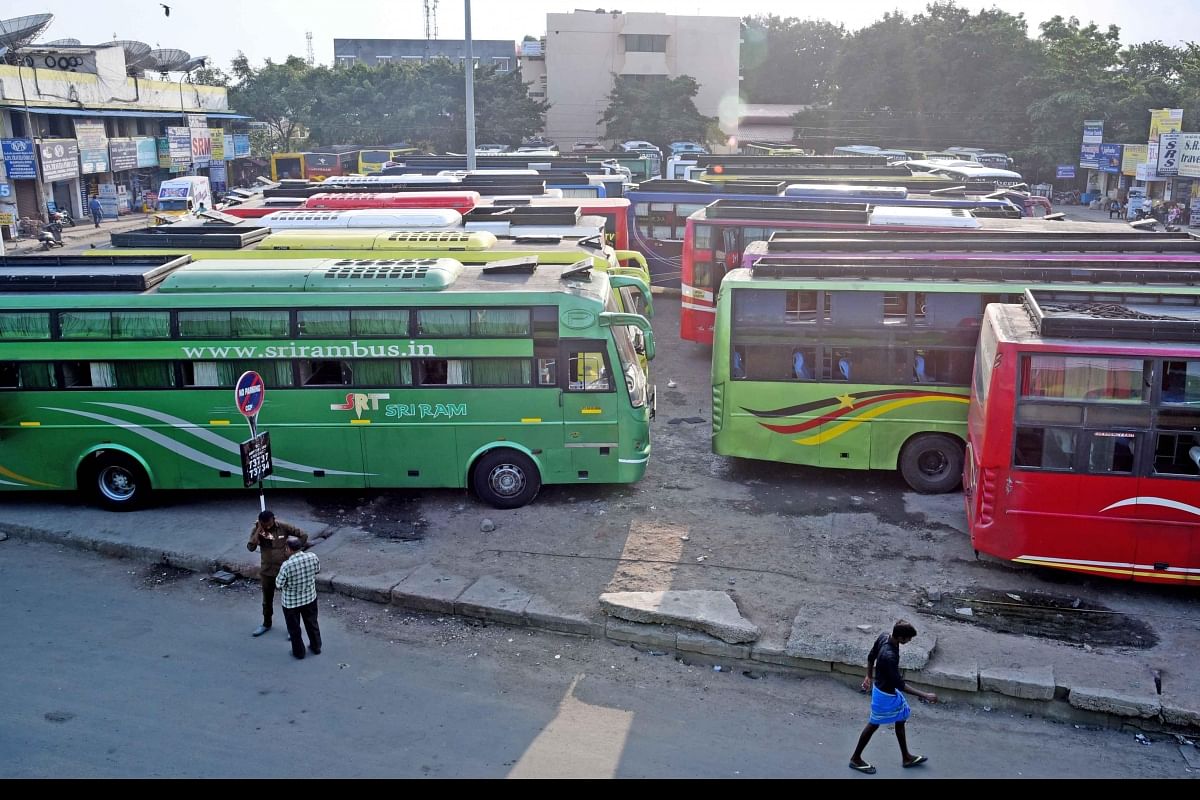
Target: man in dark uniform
[[269, 537], [888, 706]]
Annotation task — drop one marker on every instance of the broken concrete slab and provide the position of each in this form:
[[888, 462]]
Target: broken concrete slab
[[491, 598], [1191, 755], [960, 675], [1030, 683], [428, 588], [774, 652], [848, 644], [376, 588], [709, 611], [1181, 711], [659, 636], [695, 642], [1143, 704], [541, 614]]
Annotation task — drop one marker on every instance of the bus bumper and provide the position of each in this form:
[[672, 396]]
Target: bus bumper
[[633, 465]]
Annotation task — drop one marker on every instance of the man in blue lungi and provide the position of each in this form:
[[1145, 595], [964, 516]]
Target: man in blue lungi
[[888, 706]]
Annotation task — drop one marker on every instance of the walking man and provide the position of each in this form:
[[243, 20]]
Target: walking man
[[95, 210], [297, 580], [269, 537], [888, 706]]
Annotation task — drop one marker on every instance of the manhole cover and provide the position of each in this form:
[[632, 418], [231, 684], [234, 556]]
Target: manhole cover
[[1066, 618]]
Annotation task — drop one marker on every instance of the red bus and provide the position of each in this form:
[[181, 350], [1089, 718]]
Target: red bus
[[1084, 434]]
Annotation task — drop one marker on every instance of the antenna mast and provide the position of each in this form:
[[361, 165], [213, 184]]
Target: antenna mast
[[309, 56], [431, 29]]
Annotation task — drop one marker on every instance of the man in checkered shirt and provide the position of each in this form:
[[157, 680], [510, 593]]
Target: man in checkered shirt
[[297, 584]]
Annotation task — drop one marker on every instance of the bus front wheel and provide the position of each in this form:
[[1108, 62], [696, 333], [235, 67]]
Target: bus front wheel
[[117, 482], [932, 463], [506, 479]]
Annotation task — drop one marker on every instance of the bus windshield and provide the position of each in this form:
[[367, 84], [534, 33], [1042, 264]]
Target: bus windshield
[[627, 351]]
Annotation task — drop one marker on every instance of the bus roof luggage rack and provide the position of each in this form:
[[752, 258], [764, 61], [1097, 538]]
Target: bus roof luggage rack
[[748, 186], [86, 273], [221, 236], [789, 210], [523, 214], [1100, 315], [1004, 241], [526, 265], [580, 270], [1019, 271]]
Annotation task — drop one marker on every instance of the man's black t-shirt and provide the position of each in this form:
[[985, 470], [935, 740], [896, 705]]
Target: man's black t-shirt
[[886, 656]]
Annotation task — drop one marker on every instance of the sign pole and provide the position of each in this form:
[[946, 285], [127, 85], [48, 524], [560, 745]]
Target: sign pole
[[249, 394], [262, 497]]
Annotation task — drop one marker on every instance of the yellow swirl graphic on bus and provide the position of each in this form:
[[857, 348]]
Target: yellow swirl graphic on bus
[[839, 429]]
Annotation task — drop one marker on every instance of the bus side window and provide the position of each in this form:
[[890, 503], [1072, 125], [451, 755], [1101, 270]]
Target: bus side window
[[1111, 453], [586, 372], [1044, 448]]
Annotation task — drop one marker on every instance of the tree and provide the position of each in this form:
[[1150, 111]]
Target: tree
[[788, 60], [209, 76], [660, 111], [277, 94]]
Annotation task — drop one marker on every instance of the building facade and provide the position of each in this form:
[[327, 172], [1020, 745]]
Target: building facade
[[117, 136], [583, 51], [497, 53]]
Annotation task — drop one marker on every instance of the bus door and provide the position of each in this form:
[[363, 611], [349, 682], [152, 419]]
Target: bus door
[[589, 392], [1108, 495]]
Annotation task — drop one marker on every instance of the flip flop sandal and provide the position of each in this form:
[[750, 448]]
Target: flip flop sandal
[[865, 768], [916, 760]]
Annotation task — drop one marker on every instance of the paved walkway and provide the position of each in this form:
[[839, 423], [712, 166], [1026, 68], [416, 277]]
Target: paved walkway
[[82, 236]]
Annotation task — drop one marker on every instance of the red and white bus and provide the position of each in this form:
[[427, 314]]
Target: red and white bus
[[1084, 434]]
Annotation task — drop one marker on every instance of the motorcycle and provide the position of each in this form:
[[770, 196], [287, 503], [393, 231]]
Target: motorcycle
[[62, 217], [50, 235]]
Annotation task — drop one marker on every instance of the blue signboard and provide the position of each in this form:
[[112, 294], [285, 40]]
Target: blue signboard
[[1110, 158], [19, 159], [1064, 171], [241, 146], [147, 152]]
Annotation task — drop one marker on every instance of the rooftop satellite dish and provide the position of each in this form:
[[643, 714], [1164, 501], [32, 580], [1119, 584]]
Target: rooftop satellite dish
[[62, 43], [168, 59], [194, 63], [137, 54], [20, 31]]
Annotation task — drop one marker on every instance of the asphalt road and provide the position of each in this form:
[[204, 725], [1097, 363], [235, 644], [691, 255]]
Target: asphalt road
[[113, 669]]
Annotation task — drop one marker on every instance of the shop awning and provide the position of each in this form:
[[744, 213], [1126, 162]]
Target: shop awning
[[120, 112]]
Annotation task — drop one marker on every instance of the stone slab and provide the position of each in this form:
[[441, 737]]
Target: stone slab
[[1181, 711], [541, 614], [376, 588], [709, 611], [962, 676], [1119, 703], [1191, 755], [491, 598], [849, 644], [428, 588], [659, 636], [695, 642], [1029, 683], [772, 652]]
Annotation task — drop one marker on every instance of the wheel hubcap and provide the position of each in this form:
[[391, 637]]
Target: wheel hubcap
[[507, 480], [117, 484], [933, 463]]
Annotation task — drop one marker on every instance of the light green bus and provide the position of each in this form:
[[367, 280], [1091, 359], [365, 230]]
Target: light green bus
[[867, 363], [116, 375]]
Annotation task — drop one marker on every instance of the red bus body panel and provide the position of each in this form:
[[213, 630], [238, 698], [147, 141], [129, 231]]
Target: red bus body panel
[[461, 202]]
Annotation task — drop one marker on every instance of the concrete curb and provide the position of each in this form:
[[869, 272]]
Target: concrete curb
[[426, 588]]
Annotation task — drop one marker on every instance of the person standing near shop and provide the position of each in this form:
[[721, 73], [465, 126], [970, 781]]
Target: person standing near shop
[[297, 582], [269, 537], [96, 210]]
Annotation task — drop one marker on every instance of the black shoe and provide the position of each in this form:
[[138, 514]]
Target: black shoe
[[297, 655], [316, 651]]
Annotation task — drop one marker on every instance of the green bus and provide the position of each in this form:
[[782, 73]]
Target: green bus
[[866, 363], [116, 375]]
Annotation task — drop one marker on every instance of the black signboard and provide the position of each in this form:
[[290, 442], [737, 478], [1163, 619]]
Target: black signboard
[[60, 159], [122, 154], [256, 458]]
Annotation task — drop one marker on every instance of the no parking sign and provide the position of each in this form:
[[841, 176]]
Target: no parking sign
[[249, 394]]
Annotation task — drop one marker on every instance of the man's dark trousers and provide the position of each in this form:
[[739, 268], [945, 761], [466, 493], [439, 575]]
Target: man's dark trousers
[[307, 612], [268, 589]]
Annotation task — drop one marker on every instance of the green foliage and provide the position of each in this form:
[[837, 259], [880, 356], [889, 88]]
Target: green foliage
[[788, 60], [422, 104], [658, 111]]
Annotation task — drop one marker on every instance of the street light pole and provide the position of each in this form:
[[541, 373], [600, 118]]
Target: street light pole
[[470, 70], [39, 188]]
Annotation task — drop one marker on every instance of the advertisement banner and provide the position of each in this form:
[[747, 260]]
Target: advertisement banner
[[122, 154], [1110, 158], [1133, 155], [1089, 151], [60, 159], [93, 145], [241, 145], [1168, 155], [217, 176], [1189, 157], [147, 151], [1093, 131], [230, 148], [1089, 156], [163, 146], [201, 147], [197, 121], [179, 142], [19, 159], [218, 143], [1164, 120], [1064, 171]]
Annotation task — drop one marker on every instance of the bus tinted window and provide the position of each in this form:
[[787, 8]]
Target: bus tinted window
[[224, 374], [27, 375], [25, 325], [1172, 453], [1095, 378], [1044, 448], [1111, 452], [1181, 382]]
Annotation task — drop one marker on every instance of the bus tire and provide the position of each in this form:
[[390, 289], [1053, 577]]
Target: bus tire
[[932, 463], [117, 482], [506, 478]]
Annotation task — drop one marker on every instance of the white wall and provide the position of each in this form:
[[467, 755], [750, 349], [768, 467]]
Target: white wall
[[105, 89]]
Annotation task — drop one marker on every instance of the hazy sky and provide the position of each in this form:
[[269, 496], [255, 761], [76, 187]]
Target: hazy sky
[[276, 28]]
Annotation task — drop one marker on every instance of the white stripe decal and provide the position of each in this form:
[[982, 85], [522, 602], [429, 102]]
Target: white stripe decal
[[1124, 565], [634, 460], [688, 290], [13, 483], [214, 439], [189, 453], [694, 307], [1154, 501]]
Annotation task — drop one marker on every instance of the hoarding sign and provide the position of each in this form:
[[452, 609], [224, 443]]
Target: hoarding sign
[[163, 147], [1165, 120], [179, 142], [1168, 154], [1133, 155], [217, 176], [93, 145], [197, 121], [1089, 156], [147, 151], [201, 147], [60, 159], [122, 154], [230, 147], [241, 145], [1189, 157], [19, 159], [1064, 171], [217, 137], [1110, 158]]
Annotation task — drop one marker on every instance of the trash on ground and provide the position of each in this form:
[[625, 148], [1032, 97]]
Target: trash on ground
[[965, 611]]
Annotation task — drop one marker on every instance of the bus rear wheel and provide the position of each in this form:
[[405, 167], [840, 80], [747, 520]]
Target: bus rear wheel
[[932, 463], [506, 479], [117, 482]]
